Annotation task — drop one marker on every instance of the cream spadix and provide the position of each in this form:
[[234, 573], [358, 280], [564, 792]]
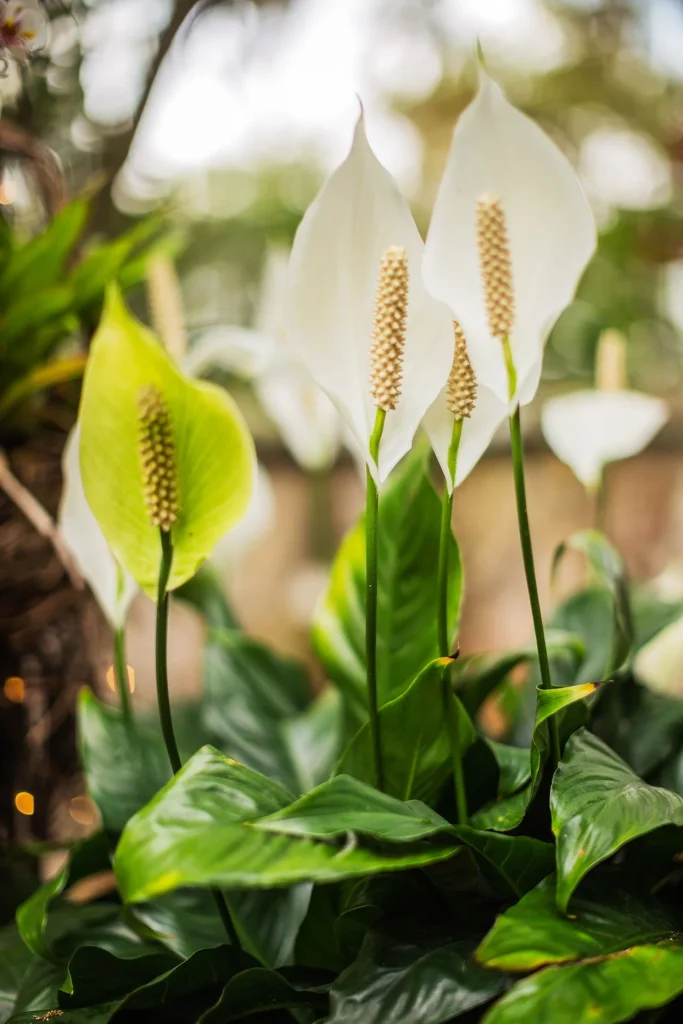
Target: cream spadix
[[357, 218], [505, 179], [462, 398]]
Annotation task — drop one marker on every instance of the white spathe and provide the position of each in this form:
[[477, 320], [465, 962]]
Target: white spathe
[[497, 150], [308, 423], [113, 588], [588, 429], [659, 663], [256, 523], [477, 432], [334, 267]]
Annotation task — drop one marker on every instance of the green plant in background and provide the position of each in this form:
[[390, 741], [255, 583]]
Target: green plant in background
[[374, 855], [51, 291]]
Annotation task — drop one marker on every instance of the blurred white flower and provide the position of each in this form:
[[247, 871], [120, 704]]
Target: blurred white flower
[[499, 152], [358, 216], [659, 663], [113, 588], [308, 423], [252, 528], [23, 27], [588, 429]]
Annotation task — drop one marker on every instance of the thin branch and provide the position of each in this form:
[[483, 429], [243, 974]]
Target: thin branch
[[39, 518]]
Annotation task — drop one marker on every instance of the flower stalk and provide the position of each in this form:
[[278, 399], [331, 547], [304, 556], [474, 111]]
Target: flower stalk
[[160, 489], [517, 446], [497, 279], [460, 397], [371, 573], [386, 376], [121, 673]]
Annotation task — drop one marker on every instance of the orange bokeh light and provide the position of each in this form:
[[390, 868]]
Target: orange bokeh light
[[25, 803], [15, 689], [111, 678]]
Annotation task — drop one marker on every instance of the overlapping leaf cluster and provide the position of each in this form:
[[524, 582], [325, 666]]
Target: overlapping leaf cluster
[[560, 901]]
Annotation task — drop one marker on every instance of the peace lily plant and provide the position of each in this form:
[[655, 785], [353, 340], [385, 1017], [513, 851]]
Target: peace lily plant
[[373, 855], [587, 429]]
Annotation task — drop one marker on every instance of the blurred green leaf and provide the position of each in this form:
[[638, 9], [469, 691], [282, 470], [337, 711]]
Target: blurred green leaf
[[87, 858], [410, 519], [125, 763], [610, 573]]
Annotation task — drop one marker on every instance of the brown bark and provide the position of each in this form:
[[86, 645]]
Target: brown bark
[[49, 632]]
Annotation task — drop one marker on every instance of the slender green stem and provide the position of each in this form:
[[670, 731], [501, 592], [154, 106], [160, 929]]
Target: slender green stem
[[163, 698], [444, 639], [121, 672], [164, 703], [598, 495], [371, 559], [525, 540], [444, 543]]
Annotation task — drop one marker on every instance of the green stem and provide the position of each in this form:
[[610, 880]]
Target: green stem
[[444, 639], [444, 543], [525, 540], [164, 703], [371, 559], [121, 672], [163, 698]]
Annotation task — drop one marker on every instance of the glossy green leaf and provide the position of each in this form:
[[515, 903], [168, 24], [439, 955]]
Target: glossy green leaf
[[508, 811], [214, 451], [249, 694], [607, 990], [87, 858], [198, 831], [345, 804], [414, 979], [410, 515], [124, 764], [610, 572], [598, 804], [257, 990], [267, 921], [416, 752], [520, 861], [604, 920]]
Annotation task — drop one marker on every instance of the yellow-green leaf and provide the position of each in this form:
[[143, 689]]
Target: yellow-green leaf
[[213, 449]]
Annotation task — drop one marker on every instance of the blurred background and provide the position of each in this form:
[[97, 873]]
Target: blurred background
[[174, 145]]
